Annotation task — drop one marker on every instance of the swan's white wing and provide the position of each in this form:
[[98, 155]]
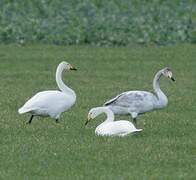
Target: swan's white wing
[[47, 102], [116, 128], [113, 99], [40, 99], [131, 98]]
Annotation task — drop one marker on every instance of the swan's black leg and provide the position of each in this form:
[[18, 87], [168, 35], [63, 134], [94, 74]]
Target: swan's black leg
[[30, 120], [57, 120], [134, 116], [135, 121]]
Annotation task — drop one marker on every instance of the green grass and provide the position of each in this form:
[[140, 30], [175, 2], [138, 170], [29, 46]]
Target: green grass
[[166, 149]]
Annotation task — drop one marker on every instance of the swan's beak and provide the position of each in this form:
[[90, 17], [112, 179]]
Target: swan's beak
[[172, 79], [170, 76], [86, 122], [73, 68], [88, 119]]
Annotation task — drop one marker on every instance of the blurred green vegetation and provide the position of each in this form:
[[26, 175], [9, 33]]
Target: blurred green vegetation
[[45, 150], [99, 22]]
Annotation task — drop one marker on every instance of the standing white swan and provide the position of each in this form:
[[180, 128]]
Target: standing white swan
[[138, 102], [51, 103], [110, 127]]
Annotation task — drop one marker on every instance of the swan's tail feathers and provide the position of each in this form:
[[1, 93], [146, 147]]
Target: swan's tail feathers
[[23, 110]]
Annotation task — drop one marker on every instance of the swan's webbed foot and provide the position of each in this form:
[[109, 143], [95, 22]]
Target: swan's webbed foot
[[30, 120]]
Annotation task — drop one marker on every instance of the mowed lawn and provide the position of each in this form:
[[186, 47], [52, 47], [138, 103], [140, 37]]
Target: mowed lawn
[[166, 149]]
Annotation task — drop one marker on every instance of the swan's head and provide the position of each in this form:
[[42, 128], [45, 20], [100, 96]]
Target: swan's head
[[168, 73], [93, 113], [67, 66]]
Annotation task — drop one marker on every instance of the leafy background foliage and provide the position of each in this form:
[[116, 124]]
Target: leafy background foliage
[[99, 22]]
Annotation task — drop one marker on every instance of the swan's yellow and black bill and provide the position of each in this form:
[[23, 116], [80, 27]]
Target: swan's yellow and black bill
[[173, 79], [88, 119], [73, 68], [86, 122]]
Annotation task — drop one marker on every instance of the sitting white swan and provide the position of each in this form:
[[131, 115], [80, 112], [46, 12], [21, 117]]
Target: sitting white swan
[[138, 102], [51, 103], [110, 127]]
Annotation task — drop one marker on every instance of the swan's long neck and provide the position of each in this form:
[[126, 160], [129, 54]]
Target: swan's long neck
[[108, 112], [161, 97], [60, 82]]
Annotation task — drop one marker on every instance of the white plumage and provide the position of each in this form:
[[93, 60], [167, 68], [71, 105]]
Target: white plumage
[[110, 127], [138, 102], [51, 103]]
